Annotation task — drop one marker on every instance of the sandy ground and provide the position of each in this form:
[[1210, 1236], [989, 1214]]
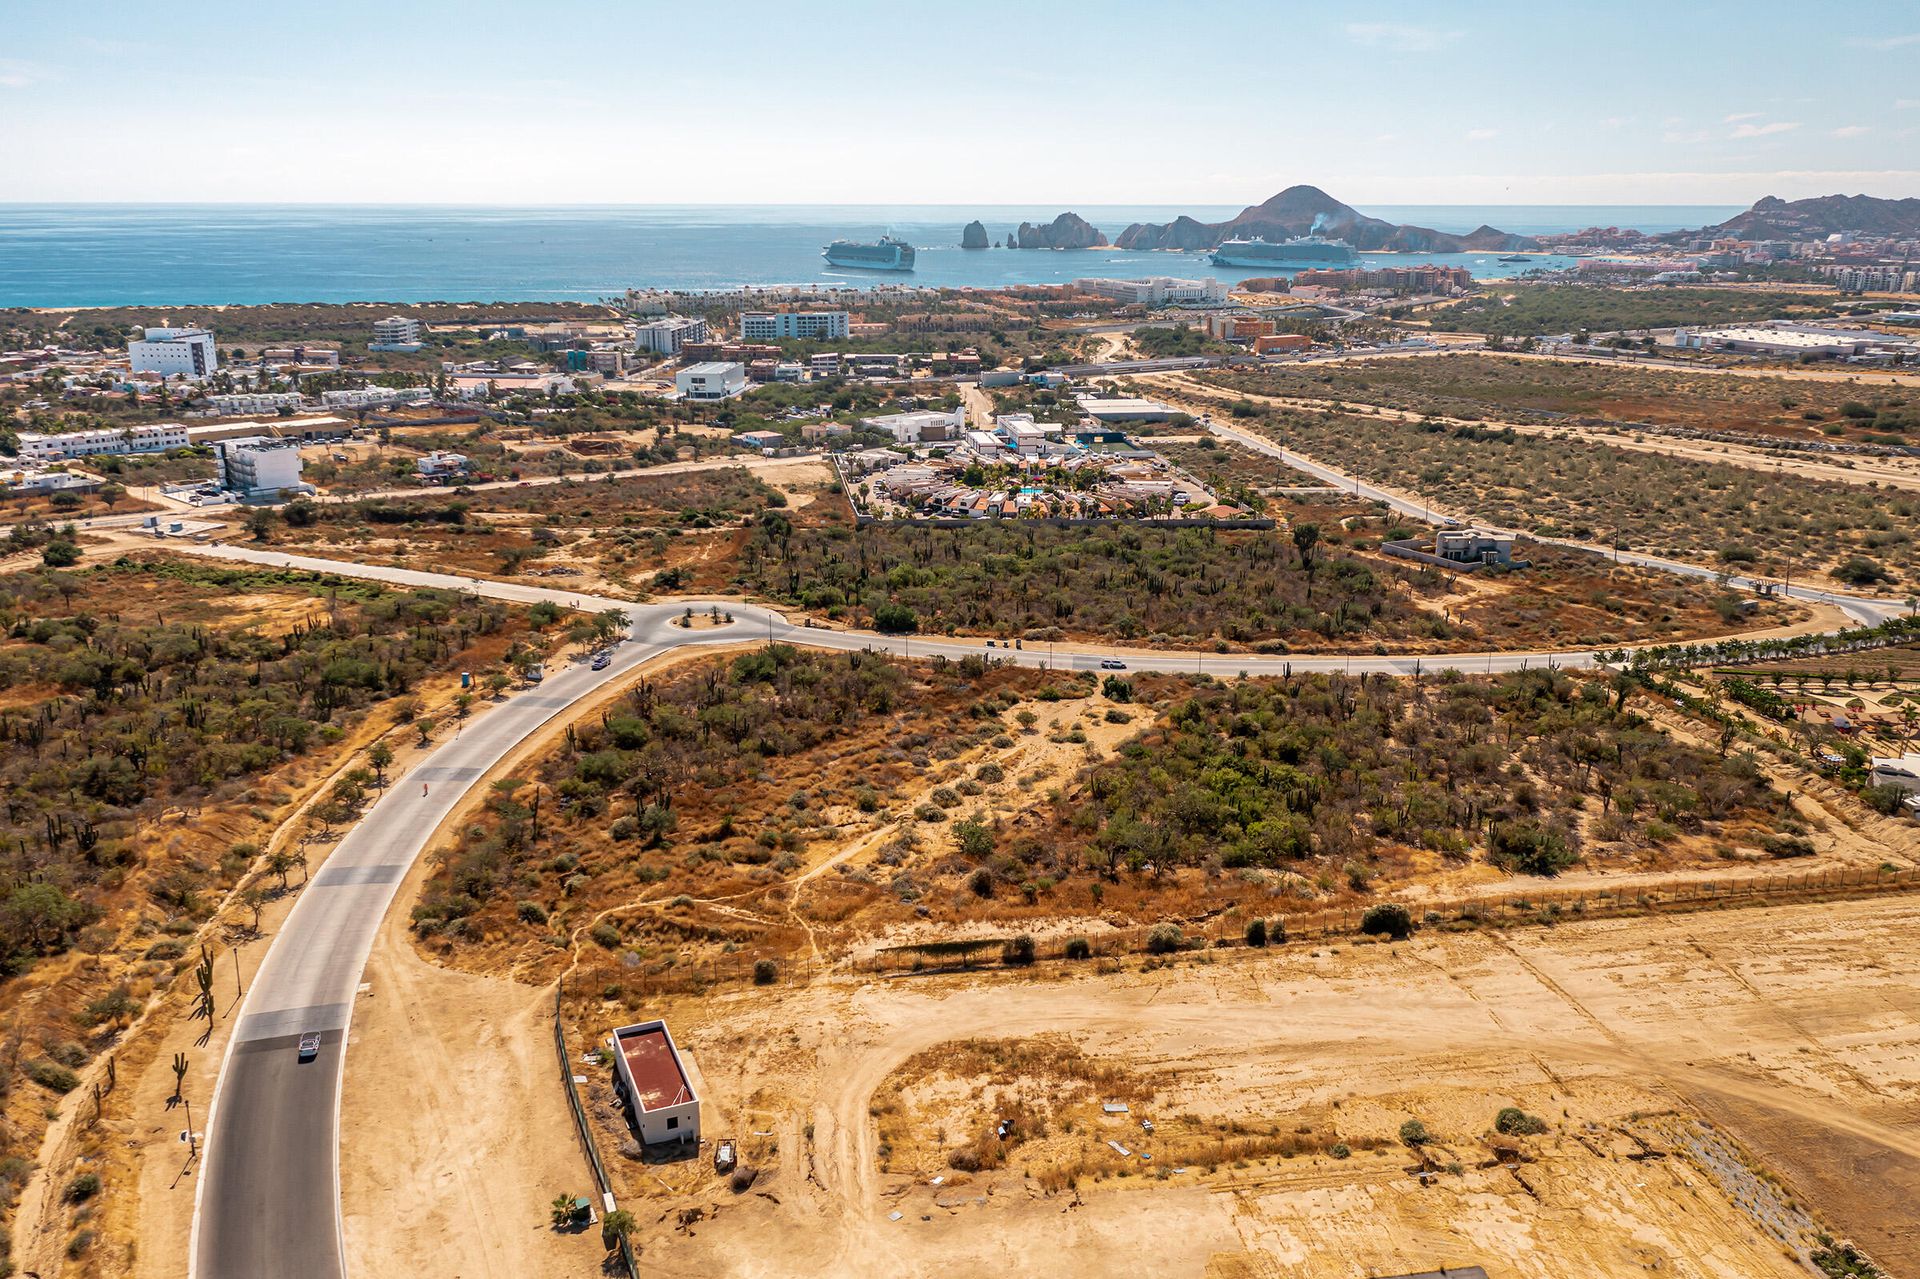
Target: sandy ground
[[1792, 1028], [424, 1189]]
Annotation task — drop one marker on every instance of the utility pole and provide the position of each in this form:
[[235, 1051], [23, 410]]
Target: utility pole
[[239, 992], [192, 1146]]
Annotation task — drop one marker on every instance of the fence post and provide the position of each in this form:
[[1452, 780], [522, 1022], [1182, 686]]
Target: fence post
[[582, 1128]]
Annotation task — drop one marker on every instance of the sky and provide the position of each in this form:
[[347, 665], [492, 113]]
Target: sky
[[957, 102]]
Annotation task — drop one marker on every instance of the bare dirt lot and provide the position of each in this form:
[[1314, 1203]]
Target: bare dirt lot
[[1654, 1051]]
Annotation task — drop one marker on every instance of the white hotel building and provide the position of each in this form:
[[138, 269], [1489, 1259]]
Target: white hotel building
[[1157, 290], [35, 447], [772, 326], [174, 353]]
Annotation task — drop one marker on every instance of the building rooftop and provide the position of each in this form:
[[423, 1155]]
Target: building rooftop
[[653, 1066]]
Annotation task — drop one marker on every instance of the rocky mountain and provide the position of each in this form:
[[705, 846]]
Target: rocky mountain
[[1305, 210], [1068, 231], [975, 237], [1772, 218]]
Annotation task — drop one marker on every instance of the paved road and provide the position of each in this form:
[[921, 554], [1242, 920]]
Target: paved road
[[267, 1205], [268, 1202]]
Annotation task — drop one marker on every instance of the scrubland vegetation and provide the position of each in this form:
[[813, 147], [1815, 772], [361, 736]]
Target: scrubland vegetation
[[1505, 388], [1517, 310], [1703, 511]]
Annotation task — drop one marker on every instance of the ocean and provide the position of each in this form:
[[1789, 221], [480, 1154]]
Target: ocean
[[225, 254]]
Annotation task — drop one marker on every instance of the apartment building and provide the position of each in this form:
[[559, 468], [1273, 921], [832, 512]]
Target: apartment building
[[774, 326], [171, 353]]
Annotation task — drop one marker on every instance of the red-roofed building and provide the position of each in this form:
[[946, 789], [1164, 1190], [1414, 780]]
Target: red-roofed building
[[655, 1084]]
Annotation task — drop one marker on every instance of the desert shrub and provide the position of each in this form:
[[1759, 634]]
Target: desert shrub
[[1388, 919], [531, 912], [1165, 939], [1276, 932], [1415, 1133], [1017, 951], [1528, 848], [82, 1188], [1340, 1150], [1516, 1122], [605, 934], [765, 972], [1883, 799], [50, 1075], [1257, 933], [1079, 948]]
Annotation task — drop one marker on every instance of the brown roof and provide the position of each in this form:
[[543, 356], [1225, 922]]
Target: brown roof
[[657, 1078]]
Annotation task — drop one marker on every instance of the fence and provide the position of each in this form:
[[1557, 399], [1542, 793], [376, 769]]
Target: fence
[[582, 1127], [1542, 906]]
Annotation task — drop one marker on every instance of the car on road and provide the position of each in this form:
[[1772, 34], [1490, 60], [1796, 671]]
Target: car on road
[[1112, 664], [310, 1045], [601, 661]]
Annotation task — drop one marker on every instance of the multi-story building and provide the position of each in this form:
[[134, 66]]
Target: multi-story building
[[259, 469], [774, 326], [1227, 326], [712, 381], [185, 353], [243, 403], [35, 447], [666, 335], [1157, 290], [395, 333]]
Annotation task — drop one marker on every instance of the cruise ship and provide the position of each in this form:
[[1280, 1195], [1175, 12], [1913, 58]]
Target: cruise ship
[[1286, 255], [888, 255]]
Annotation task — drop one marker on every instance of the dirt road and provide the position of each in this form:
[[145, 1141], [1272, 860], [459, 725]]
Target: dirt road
[[1791, 1027]]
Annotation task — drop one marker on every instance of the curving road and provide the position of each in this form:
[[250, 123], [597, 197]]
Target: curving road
[[267, 1205]]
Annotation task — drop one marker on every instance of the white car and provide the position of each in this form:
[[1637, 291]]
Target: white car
[[1112, 664], [310, 1045]]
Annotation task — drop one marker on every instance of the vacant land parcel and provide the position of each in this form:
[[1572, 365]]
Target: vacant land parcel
[[1701, 511]]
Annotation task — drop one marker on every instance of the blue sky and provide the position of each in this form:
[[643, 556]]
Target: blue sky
[[959, 101]]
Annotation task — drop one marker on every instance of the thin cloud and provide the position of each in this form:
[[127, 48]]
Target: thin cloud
[[1482, 135], [1905, 104], [1886, 42], [1852, 130], [1738, 116], [15, 74], [1765, 130], [1401, 37]]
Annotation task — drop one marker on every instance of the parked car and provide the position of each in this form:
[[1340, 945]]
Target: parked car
[[310, 1045]]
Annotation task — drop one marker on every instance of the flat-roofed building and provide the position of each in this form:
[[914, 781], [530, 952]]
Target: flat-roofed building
[[1125, 409], [395, 333], [920, 426], [773, 326], [1158, 290], [716, 380], [158, 438], [185, 353], [666, 335], [240, 403], [260, 469], [653, 1082], [1474, 545]]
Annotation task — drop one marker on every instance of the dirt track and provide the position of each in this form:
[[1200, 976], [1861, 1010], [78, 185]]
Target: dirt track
[[1785, 1025]]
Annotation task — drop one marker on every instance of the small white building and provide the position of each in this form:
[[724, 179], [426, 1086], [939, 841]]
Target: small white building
[[921, 426], [666, 335], [260, 469], [1125, 409], [439, 464], [185, 353], [653, 1082], [772, 326], [395, 333], [715, 380], [1902, 772], [250, 403], [1473, 545]]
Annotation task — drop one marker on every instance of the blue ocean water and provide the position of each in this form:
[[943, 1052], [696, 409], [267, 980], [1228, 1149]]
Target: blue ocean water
[[108, 255]]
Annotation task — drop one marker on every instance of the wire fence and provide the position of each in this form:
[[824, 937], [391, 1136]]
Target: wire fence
[[584, 1129]]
